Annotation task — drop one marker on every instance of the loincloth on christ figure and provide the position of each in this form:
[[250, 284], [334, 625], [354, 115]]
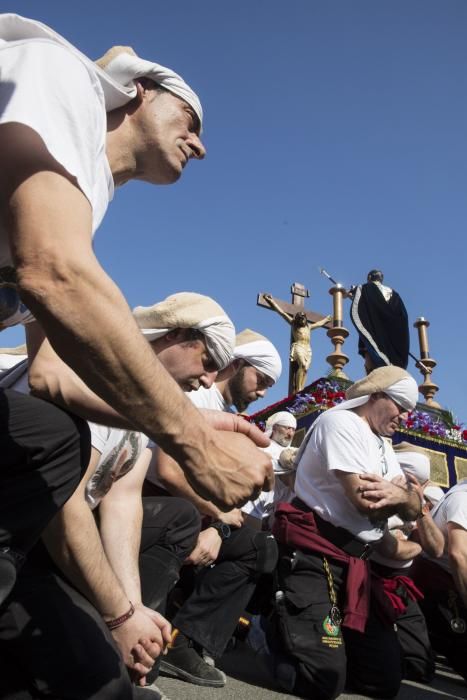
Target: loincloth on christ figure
[[301, 354]]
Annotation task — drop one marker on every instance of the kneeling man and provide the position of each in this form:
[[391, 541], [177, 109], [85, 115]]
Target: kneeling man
[[335, 626]]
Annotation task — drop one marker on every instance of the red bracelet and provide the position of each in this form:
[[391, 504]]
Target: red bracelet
[[118, 621]]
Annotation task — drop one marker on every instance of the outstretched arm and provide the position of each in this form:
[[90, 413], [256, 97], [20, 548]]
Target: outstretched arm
[[90, 327], [274, 305], [319, 324]]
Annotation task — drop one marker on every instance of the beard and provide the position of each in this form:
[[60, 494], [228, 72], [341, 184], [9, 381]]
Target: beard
[[237, 392], [282, 440]]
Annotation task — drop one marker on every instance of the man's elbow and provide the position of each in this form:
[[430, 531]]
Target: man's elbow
[[44, 383], [44, 282]]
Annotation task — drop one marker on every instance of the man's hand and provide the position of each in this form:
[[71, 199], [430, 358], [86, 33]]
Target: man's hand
[[233, 422], [140, 640], [388, 497], [381, 493], [234, 518], [207, 548], [236, 471]]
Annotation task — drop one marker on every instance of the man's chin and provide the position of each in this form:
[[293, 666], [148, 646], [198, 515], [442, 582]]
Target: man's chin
[[169, 174]]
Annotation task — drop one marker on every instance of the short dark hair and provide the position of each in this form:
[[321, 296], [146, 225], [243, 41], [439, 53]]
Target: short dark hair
[[375, 276]]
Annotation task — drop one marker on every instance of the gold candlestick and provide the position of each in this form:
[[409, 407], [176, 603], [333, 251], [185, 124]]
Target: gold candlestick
[[337, 295], [337, 359], [426, 364]]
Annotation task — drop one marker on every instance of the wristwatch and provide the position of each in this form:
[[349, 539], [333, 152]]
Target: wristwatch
[[222, 528]]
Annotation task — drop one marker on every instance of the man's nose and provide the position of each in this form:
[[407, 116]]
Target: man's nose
[[197, 148], [207, 379]]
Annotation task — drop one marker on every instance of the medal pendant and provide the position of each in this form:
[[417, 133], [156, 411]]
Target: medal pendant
[[458, 625]]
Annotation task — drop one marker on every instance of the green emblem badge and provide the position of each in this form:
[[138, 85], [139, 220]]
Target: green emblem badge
[[331, 629]]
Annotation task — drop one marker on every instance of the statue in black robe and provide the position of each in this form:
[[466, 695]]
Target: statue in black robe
[[380, 317]]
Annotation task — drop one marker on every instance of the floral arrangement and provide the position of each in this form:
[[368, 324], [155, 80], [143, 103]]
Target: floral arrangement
[[326, 393], [429, 425]]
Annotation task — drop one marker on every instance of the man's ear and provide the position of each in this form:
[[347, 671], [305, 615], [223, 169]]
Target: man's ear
[[239, 363], [140, 91], [174, 335], [230, 371]]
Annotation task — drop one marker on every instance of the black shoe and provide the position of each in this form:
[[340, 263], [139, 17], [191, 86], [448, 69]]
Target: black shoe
[[183, 661], [10, 563]]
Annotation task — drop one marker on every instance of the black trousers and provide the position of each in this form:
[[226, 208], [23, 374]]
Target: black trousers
[[223, 591], [54, 644], [44, 452], [318, 660], [170, 531], [446, 618], [412, 633]]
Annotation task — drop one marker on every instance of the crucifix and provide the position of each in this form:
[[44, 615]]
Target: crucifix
[[302, 322]]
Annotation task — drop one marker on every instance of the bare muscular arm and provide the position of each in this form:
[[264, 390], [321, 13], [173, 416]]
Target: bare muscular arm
[[89, 325]]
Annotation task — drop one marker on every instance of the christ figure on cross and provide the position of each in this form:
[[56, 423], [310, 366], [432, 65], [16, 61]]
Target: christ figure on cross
[[300, 349]]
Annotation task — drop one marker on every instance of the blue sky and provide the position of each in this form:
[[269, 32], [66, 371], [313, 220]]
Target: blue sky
[[336, 133]]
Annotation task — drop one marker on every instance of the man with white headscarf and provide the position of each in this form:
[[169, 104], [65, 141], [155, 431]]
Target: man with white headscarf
[[258, 366], [240, 554], [413, 537], [444, 580], [348, 483], [193, 338], [70, 131], [280, 428]]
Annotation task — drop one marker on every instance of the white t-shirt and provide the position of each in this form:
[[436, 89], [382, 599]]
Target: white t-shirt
[[341, 440], [9, 361], [54, 92], [452, 508], [209, 398], [119, 450], [262, 507]]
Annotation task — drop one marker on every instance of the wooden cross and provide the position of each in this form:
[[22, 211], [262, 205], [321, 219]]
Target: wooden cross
[[299, 294]]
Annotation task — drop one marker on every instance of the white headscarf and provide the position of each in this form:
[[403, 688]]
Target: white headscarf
[[123, 65], [258, 351], [433, 494], [284, 418], [190, 310], [414, 463], [393, 381], [118, 71]]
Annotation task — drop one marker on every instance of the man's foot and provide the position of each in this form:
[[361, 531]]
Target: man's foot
[[183, 661], [10, 562]]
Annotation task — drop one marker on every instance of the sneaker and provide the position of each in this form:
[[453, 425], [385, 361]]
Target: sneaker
[[183, 661]]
